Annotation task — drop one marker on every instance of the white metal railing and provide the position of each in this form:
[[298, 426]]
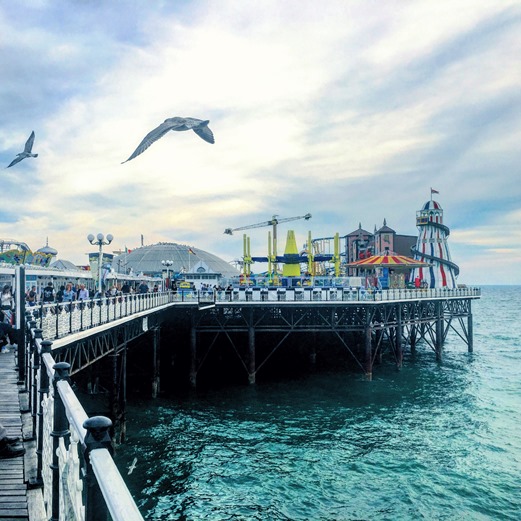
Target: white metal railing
[[327, 294], [79, 477], [57, 320], [62, 319]]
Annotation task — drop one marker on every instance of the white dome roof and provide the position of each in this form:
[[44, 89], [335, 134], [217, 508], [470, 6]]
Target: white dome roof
[[147, 259]]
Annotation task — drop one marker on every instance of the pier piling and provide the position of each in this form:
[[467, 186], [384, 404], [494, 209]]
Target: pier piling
[[439, 330], [398, 332], [193, 357], [368, 351], [251, 355], [156, 380]]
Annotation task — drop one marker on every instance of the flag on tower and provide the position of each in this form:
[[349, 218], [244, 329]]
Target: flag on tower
[[191, 251], [434, 191]]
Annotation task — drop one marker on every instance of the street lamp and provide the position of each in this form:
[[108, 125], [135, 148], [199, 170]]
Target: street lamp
[[100, 241], [167, 263]]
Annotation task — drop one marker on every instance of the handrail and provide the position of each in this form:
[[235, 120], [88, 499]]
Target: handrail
[[65, 432], [59, 320], [119, 501]]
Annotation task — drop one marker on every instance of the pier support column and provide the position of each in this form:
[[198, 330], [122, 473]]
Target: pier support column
[[123, 397], [398, 331], [439, 330], [193, 357], [313, 351], [379, 340], [155, 362], [412, 339], [251, 355], [470, 330], [114, 393], [368, 351]]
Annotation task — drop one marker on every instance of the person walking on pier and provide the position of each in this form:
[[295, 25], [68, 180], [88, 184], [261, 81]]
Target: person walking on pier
[[48, 293], [6, 304], [83, 293], [31, 297], [8, 445], [7, 334]]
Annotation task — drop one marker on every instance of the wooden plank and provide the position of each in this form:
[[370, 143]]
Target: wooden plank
[[13, 489], [13, 486], [14, 513]]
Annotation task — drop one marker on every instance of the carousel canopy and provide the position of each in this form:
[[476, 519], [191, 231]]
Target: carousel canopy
[[388, 261]]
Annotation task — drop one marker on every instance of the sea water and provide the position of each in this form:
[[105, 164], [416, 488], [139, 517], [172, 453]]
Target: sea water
[[438, 441]]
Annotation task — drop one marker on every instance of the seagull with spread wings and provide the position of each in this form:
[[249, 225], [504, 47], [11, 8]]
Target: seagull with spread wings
[[26, 153], [199, 126]]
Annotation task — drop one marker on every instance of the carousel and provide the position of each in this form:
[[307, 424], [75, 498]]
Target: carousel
[[387, 271]]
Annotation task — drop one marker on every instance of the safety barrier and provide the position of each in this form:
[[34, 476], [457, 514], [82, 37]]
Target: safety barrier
[[58, 320], [74, 452]]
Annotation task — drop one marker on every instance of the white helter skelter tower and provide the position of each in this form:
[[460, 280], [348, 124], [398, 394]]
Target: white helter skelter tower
[[432, 247]]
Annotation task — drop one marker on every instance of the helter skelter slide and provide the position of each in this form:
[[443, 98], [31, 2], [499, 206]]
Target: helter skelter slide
[[432, 247]]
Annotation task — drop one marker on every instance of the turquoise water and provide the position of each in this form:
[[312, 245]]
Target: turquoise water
[[433, 441]]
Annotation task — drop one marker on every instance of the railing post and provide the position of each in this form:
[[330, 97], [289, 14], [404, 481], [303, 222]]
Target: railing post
[[70, 316], [60, 430], [57, 314], [34, 380], [97, 437], [45, 347], [26, 335]]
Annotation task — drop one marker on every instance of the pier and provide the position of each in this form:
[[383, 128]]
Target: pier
[[60, 341]]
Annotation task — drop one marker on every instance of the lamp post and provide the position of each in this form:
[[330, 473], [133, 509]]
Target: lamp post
[[167, 263], [100, 241]]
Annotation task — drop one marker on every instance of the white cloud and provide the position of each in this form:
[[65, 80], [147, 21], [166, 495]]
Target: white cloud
[[340, 109]]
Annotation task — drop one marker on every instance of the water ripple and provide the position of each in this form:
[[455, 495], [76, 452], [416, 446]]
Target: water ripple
[[434, 441]]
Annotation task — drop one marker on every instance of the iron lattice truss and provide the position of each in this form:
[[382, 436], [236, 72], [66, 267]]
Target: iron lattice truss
[[390, 324], [84, 352], [393, 323], [342, 317]]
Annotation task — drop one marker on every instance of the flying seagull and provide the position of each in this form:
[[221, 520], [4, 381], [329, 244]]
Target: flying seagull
[[199, 126], [27, 151], [132, 466]]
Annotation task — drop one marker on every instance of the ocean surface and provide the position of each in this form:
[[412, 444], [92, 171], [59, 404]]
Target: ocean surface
[[432, 441]]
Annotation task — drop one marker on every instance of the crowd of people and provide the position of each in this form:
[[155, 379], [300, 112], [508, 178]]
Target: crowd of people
[[70, 292]]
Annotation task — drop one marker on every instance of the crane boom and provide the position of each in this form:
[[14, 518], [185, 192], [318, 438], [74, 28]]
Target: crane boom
[[273, 222]]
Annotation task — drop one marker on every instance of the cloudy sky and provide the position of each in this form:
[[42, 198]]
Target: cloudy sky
[[349, 110]]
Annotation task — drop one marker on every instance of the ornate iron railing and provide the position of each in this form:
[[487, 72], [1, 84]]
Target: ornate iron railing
[[74, 452], [62, 319]]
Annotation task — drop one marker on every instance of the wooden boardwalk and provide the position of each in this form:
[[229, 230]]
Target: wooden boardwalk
[[17, 501], [13, 489]]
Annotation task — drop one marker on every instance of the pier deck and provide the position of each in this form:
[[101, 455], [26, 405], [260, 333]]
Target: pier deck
[[13, 488], [17, 501]]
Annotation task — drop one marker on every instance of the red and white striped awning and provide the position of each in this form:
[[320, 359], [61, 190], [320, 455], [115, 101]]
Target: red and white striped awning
[[388, 261]]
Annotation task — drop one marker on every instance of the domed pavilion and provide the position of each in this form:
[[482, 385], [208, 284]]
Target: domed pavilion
[[154, 260]]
